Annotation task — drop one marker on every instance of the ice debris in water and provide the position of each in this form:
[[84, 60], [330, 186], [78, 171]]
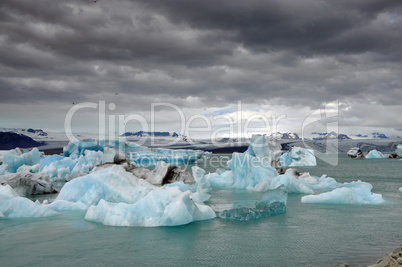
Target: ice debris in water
[[272, 203], [14, 206], [348, 193], [298, 157]]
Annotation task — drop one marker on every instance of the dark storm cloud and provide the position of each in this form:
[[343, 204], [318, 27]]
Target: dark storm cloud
[[308, 27], [217, 52]]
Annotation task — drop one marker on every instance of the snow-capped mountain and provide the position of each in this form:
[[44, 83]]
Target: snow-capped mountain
[[33, 133], [10, 140], [376, 135], [379, 135], [156, 134], [329, 136], [38, 134], [284, 136]]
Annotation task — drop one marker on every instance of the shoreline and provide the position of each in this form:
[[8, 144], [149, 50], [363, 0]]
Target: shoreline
[[393, 259]]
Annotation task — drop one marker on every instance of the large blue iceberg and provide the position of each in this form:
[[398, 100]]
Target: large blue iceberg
[[113, 196]]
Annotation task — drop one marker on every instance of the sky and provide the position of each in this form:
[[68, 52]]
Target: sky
[[202, 65]]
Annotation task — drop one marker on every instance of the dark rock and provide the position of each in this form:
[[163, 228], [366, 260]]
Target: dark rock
[[10, 140]]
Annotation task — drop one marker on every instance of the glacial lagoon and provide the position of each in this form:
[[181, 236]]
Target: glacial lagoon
[[305, 235]]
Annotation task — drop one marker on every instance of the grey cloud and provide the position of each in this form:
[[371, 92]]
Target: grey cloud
[[293, 53]]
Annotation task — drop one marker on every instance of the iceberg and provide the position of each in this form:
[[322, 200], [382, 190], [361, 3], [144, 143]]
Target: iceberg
[[15, 158], [49, 159], [3, 169], [68, 168], [374, 154], [164, 206], [272, 203], [27, 183], [114, 196], [2, 153], [14, 206], [399, 150], [221, 178], [113, 184], [246, 172], [298, 157], [264, 148], [348, 193], [203, 187], [400, 189], [355, 152]]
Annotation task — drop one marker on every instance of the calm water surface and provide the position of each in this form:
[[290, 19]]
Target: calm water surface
[[306, 235]]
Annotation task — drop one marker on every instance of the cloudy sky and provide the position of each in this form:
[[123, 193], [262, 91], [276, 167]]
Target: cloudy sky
[[276, 60]]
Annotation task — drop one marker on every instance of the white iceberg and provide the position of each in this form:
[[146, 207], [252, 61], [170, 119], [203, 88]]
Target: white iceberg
[[203, 187], [113, 184], [348, 193], [298, 157], [165, 206], [399, 150], [14, 206]]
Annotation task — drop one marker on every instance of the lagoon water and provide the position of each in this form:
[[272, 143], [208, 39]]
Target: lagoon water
[[306, 235]]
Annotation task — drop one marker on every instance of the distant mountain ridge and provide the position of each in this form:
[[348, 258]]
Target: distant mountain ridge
[[330, 136], [28, 132], [284, 136], [157, 134], [377, 135], [10, 140]]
